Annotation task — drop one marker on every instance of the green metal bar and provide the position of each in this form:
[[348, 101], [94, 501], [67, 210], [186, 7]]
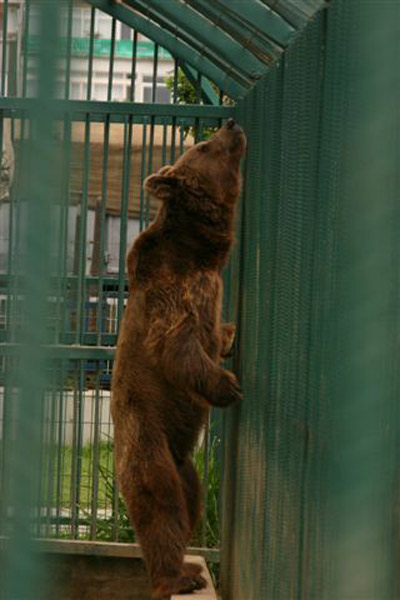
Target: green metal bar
[[96, 458], [182, 137], [208, 94], [61, 284], [155, 70], [150, 167], [174, 100], [206, 450], [102, 238], [69, 48], [76, 460], [178, 48], [205, 36], [124, 219], [51, 451], [4, 48], [133, 71], [41, 468], [294, 13], [25, 47], [164, 146], [256, 41], [116, 511], [61, 444], [20, 567], [112, 59], [91, 48], [58, 351], [143, 176], [81, 290], [262, 18], [141, 109]]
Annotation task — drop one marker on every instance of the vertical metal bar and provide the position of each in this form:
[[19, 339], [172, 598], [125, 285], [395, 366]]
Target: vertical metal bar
[[91, 50], [81, 293], [174, 100], [21, 570], [41, 470], [164, 144], [96, 457], [74, 458], [150, 166], [4, 48], [69, 49], [61, 447], [206, 447], [143, 174], [76, 471], [133, 71], [63, 237], [112, 59], [152, 127], [51, 454], [116, 511], [198, 100], [124, 218], [155, 70], [26, 47], [181, 137], [102, 217]]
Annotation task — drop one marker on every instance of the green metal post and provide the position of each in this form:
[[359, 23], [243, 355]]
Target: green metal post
[[21, 571]]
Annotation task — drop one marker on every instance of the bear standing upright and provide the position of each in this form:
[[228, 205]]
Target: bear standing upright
[[167, 370]]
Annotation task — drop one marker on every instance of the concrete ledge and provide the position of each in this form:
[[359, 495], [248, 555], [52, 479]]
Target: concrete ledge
[[97, 571]]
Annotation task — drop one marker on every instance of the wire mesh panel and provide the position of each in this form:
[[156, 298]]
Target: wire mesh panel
[[312, 451]]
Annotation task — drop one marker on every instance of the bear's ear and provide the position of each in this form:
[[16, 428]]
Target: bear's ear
[[161, 185]]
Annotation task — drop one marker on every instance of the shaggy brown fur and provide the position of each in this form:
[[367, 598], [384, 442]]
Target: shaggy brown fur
[[167, 371]]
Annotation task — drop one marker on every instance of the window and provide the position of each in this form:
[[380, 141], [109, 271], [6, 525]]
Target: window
[[163, 95], [81, 22], [126, 32], [100, 91], [118, 92], [103, 26]]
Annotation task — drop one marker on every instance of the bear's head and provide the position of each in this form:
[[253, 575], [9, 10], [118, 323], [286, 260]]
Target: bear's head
[[208, 174]]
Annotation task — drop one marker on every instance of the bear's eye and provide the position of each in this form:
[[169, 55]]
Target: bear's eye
[[203, 147]]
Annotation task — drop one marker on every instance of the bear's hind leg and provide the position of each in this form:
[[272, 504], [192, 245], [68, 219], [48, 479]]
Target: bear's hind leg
[[192, 491], [156, 504]]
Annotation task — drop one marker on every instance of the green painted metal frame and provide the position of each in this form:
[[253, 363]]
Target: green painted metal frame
[[208, 93], [203, 34], [229, 22], [172, 43], [78, 109], [261, 18]]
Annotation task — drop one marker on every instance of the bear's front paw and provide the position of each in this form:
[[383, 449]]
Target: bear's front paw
[[228, 390], [228, 332]]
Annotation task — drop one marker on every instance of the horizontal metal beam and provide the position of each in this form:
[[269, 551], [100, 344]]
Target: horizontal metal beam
[[177, 47], [203, 34], [200, 111], [66, 352], [92, 548]]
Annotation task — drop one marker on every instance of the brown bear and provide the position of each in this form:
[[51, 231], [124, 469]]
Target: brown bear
[[167, 370]]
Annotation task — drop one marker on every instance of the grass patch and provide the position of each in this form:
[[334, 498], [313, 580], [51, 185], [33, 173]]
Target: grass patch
[[78, 472]]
